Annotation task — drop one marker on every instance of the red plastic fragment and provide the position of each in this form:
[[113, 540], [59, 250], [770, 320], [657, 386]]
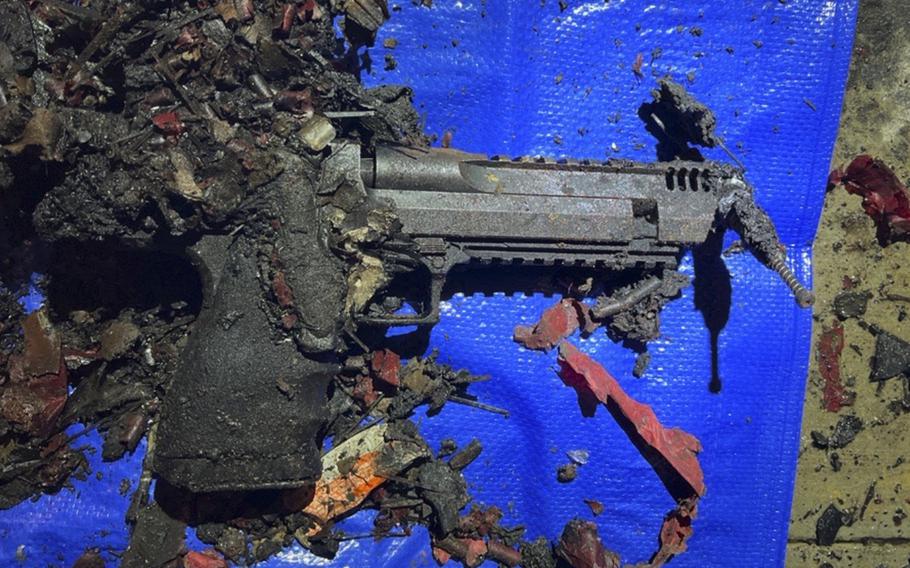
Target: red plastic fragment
[[830, 346], [385, 365], [287, 19], [205, 559], [557, 323], [38, 376], [580, 546], [297, 102], [363, 390], [168, 123], [283, 292], [441, 556], [675, 531], [885, 197], [671, 451], [677, 448]]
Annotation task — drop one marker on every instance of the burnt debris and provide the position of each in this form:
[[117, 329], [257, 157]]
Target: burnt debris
[[829, 523], [851, 304], [677, 119], [227, 223], [844, 432], [892, 356]]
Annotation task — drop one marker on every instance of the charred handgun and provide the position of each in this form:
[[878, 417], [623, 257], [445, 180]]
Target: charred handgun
[[450, 209]]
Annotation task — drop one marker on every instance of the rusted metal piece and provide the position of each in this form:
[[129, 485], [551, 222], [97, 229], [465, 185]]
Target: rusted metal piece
[[612, 306]]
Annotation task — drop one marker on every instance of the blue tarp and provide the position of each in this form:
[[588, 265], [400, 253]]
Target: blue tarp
[[519, 78]]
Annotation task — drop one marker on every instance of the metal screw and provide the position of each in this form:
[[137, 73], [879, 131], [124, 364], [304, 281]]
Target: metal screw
[[804, 296]]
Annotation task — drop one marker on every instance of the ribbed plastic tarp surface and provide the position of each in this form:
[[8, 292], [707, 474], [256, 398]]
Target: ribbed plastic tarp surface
[[527, 77]]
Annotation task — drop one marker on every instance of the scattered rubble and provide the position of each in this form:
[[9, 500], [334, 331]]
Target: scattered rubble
[[145, 136], [127, 133]]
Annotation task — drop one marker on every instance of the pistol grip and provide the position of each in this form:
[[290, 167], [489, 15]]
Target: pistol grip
[[244, 411]]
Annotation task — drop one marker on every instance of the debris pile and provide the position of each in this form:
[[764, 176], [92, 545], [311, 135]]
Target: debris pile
[[141, 139], [130, 131]]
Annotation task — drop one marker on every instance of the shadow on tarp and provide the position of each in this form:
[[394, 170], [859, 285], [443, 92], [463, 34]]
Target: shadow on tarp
[[519, 78]]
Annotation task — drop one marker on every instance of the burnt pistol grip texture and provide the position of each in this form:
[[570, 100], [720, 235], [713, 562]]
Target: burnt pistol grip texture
[[226, 424], [248, 403]]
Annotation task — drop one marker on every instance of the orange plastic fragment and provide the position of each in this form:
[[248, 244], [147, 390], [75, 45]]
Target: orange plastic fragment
[[337, 496]]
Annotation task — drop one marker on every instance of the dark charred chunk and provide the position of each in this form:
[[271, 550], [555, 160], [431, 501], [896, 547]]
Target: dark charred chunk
[[851, 304], [892, 356], [676, 119], [829, 523], [446, 492], [843, 433]]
